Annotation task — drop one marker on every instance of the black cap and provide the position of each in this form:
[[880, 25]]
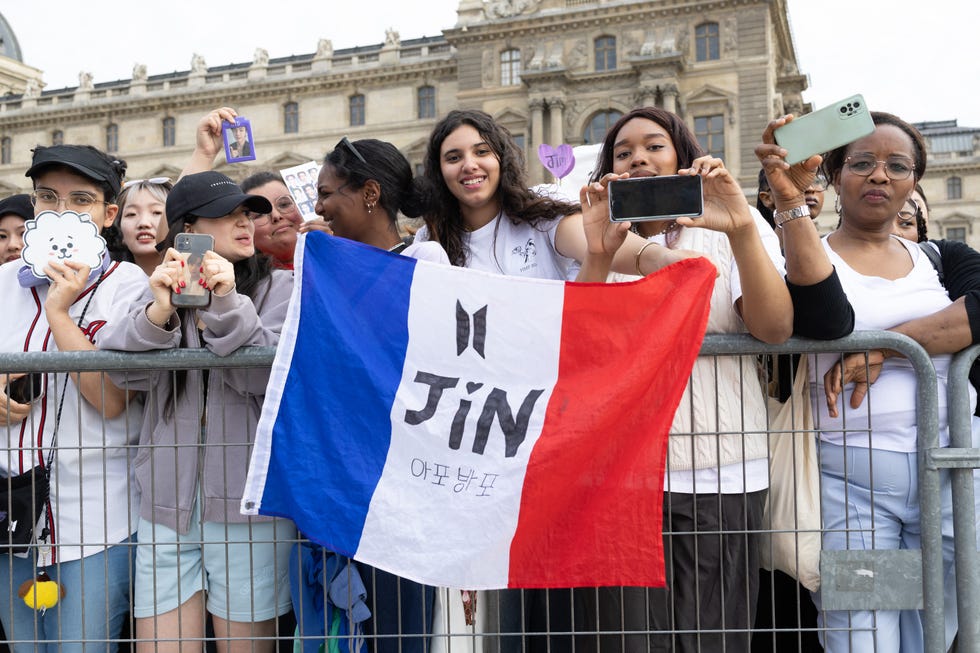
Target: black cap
[[19, 205], [209, 195], [84, 159]]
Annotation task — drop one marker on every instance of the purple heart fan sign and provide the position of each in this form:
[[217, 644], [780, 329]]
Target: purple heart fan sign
[[558, 160]]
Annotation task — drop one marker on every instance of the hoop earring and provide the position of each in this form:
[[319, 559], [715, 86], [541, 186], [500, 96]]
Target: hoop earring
[[837, 207]]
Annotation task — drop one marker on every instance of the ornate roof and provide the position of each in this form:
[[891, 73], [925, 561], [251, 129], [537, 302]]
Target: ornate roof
[[9, 47]]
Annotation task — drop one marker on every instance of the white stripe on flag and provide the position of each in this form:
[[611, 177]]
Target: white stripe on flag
[[469, 501]]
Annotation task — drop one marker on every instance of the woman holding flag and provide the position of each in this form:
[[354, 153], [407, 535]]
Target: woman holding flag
[[717, 471], [485, 217]]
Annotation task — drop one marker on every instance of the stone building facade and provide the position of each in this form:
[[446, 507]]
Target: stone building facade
[[552, 71], [952, 181]]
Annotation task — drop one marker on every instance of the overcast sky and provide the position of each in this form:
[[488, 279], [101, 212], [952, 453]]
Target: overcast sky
[[922, 65]]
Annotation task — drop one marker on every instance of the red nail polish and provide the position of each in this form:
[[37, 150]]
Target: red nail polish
[[177, 291], [202, 269], [182, 284]]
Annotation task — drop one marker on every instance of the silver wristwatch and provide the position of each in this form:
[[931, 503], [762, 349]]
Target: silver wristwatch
[[782, 217]]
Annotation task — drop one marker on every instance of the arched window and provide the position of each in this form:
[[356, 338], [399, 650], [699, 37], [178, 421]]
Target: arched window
[[290, 118], [6, 150], [510, 67], [356, 110], [706, 41], [605, 53], [169, 132], [596, 130], [57, 137], [954, 188], [112, 137], [426, 102]]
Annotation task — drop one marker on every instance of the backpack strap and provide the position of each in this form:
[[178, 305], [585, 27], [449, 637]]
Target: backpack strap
[[932, 251]]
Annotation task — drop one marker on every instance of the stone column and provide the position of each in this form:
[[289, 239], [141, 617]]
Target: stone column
[[555, 108], [646, 96], [670, 97], [535, 171]]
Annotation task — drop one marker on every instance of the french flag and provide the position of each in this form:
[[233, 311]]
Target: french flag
[[472, 430]]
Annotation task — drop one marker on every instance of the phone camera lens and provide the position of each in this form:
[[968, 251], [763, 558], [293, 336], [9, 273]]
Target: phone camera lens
[[843, 109]]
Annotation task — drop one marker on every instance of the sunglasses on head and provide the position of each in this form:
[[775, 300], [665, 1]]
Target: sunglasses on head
[[158, 181], [347, 145]]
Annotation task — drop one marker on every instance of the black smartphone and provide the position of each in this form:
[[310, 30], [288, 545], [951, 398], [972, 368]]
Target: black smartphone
[[655, 198], [193, 294], [25, 389]]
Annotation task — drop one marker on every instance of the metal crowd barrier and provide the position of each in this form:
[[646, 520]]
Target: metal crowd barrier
[[846, 584], [962, 457]]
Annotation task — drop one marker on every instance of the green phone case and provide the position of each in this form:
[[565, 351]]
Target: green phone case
[[837, 124]]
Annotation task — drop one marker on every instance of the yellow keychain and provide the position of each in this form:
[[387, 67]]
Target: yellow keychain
[[41, 593]]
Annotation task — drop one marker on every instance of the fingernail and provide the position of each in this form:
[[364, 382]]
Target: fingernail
[[182, 264], [201, 269], [177, 291], [182, 284]]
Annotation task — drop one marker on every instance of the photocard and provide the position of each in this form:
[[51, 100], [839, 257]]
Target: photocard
[[239, 145], [301, 181]]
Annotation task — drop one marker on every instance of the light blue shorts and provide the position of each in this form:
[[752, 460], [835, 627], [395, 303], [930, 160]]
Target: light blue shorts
[[244, 568]]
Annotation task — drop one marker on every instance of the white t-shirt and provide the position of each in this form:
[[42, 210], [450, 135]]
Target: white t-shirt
[[520, 250], [427, 251], [881, 304], [94, 497], [736, 409]]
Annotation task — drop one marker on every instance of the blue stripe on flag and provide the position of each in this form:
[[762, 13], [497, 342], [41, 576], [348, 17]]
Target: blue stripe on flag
[[351, 341]]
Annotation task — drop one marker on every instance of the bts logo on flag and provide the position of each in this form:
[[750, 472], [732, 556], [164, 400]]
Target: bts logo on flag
[[463, 330], [402, 428]]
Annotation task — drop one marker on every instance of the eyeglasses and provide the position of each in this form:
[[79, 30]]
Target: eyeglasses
[[77, 201], [346, 144], [896, 168], [284, 204], [819, 183], [158, 181], [907, 215]]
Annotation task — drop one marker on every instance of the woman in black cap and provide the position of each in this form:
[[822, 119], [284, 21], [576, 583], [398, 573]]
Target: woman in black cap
[[195, 548]]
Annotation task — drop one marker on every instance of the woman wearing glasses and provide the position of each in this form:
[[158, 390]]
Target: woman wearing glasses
[[869, 489], [275, 233]]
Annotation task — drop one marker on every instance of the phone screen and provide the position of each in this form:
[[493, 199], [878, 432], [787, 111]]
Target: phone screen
[[25, 389], [655, 198], [193, 294]]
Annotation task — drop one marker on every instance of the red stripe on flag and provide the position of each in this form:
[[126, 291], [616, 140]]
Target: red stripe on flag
[[591, 509]]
